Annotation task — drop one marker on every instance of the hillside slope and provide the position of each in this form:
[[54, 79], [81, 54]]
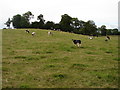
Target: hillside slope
[[46, 61]]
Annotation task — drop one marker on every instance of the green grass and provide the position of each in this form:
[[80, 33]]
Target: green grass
[[46, 61]]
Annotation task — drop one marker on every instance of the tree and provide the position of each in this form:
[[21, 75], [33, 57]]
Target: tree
[[8, 23], [16, 21], [49, 25], [109, 31], [28, 15], [65, 23], [57, 26], [24, 23], [103, 30], [20, 21], [41, 21], [77, 25], [35, 24], [89, 28], [115, 31]]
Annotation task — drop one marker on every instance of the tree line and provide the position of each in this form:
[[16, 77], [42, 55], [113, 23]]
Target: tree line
[[67, 24]]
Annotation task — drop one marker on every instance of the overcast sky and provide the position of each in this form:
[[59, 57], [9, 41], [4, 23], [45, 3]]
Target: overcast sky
[[102, 12]]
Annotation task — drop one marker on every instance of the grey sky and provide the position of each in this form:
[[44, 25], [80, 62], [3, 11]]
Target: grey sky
[[119, 16], [102, 12]]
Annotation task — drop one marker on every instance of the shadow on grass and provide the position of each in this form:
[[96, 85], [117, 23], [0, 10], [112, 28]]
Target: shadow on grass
[[117, 59], [78, 66], [75, 47], [59, 76], [108, 52], [26, 57]]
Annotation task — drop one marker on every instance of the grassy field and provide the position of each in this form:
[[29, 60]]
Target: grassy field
[[54, 62]]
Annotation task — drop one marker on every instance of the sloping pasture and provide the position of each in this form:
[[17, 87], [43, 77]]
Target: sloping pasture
[[54, 61]]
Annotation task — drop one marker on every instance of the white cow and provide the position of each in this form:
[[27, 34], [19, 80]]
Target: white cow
[[33, 33], [50, 33], [90, 38]]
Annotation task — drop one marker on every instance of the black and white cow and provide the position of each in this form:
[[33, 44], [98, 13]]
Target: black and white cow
[[77, 42], [27, 31], [107, 38]]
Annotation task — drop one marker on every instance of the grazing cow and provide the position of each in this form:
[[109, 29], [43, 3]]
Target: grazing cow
[[107, 38], [77, 42], [33, 33], [27, 31], [50, 33], [90, 38]]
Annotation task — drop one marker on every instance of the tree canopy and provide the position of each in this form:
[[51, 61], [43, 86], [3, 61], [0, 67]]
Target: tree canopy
[[20, 21], [8, 23], [67, 24]]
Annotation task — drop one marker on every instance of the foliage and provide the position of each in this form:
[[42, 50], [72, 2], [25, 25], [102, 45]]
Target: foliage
[[49, 25], [57, 26], [41, 21], [20, 21], [67, 24], [89, 28], [16, 21], [103, 30], [35, 24], [28, 15], [8, 23]]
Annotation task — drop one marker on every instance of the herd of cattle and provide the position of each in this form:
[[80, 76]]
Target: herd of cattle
[[76, 42]]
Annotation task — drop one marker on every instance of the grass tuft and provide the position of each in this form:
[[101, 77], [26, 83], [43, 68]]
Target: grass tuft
[[117, 59], [49, 52], [108, 52], [20, 57], [79, 65], [32, 58], [24, 86], [59, 76]]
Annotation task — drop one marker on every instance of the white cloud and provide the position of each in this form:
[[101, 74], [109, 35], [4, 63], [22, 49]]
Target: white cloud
[[100, 11]]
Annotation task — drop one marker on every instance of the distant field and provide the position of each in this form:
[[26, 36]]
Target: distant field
[[54, 62]]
